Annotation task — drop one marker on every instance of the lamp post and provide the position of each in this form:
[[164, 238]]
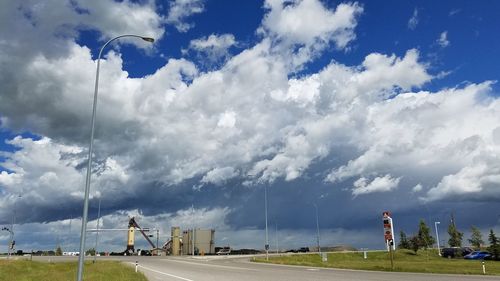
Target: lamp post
[[265, 211], [14, 219], [157, 238], [437, 236], [317, 228], [97, 229], [83, 233], [277, 245], [192, 232]]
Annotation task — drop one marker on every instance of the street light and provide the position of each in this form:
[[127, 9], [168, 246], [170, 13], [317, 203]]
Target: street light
[[14, 217], [267, 237], [437, 236], [97, 228], [157, 238], [81, 256], [276, 234], [192, 232], [317, 228]]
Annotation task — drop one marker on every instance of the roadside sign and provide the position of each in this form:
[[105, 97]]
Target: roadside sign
[[388, 229]]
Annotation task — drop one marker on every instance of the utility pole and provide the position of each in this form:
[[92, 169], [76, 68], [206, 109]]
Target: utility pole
[[192, 236], [277, 246], [317, 228], [267, 237], [13, 223], [157, 238], [97, 228]]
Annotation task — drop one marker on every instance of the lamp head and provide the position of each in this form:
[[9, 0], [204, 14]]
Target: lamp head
[[148, 39]]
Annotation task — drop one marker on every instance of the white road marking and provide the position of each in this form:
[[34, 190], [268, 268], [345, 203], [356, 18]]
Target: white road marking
[[312, 269], [159, 272], [211, 265]]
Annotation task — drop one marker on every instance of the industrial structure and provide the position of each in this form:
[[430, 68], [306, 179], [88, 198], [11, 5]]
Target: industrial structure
[[190, 242], [199, 241], [132, 226], [175, 242]]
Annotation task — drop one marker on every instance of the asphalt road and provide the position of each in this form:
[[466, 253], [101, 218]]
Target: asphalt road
[[241, 269]]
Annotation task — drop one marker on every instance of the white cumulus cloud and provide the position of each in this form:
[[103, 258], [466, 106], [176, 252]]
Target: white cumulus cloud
[[378, 184], [213, 47], [182, 9]]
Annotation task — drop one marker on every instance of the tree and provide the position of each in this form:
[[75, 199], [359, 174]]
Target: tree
[[455, 235], [90, 252], [414, 243], [426, 239], [59, 251], [476, 238], [494, 247], [403, 241]]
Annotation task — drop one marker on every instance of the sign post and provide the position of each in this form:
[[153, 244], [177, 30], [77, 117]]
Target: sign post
[[388, 235]]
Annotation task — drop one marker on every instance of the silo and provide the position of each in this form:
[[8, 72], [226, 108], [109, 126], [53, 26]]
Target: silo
[[204, 241], [176, 242]]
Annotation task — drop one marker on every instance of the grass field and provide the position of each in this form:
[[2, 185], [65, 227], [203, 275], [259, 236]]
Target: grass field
[[404, 261], [22, 270]]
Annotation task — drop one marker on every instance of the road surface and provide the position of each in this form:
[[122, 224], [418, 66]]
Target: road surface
[[229, 268]]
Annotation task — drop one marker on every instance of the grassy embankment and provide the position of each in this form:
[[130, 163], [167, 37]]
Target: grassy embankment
[[404, 261], [23, 270]]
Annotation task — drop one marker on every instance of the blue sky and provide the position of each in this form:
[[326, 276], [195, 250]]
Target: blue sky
[[358, 107]]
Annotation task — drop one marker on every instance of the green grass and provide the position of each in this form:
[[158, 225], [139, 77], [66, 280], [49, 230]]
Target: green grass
[[404, 261], [23, 270]]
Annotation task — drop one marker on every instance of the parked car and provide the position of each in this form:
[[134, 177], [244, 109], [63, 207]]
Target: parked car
[[455, 252], [143, 252], [224, 251], [477, 255]]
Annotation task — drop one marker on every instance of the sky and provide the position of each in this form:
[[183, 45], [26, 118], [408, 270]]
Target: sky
[[357, 107]]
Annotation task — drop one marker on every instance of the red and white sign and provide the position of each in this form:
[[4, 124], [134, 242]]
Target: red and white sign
[[388, 228]]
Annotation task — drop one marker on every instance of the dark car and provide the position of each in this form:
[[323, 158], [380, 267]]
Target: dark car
[[143, 252], [477, 255], [455, 252], [304, 249]]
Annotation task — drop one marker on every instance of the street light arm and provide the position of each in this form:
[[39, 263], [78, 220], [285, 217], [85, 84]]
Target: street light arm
[[147, 39]]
